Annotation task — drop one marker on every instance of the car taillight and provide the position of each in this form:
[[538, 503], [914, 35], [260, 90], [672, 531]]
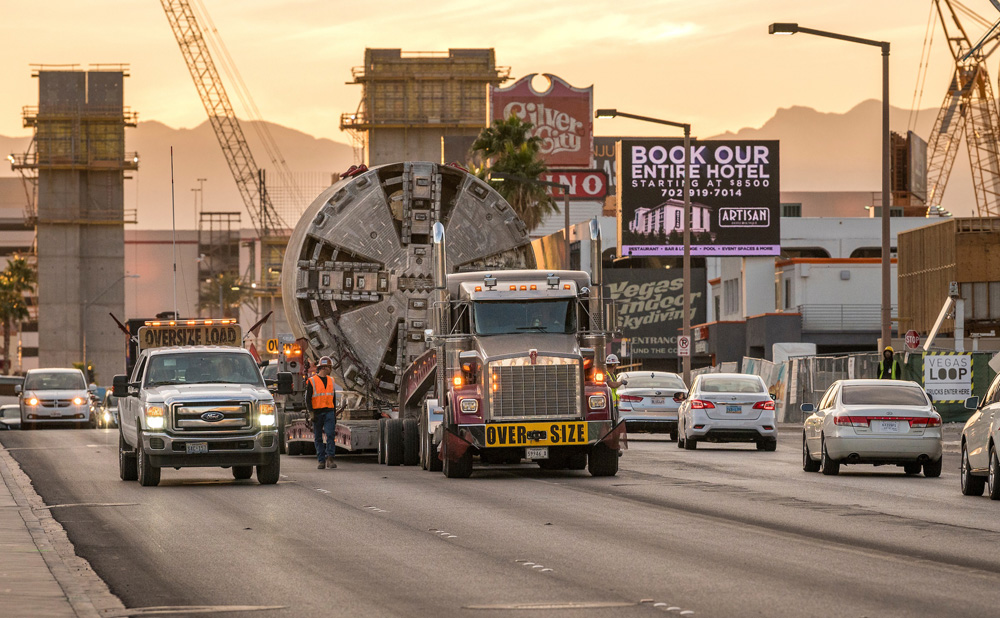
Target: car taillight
[[930, 421], [851, 421], [764, 405], [701, 404], [631, 398]]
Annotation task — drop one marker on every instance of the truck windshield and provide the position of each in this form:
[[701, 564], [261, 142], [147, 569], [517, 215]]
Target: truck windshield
[[536, 316], [214, 368]]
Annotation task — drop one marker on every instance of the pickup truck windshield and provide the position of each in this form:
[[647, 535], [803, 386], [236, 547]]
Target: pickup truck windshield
[[513, 317], [62, 381], [210, 368]]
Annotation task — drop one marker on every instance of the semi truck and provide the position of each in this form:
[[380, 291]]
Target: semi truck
[[419, 282]]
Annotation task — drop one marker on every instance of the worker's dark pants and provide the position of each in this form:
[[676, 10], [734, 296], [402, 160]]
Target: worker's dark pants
[[324, 422]]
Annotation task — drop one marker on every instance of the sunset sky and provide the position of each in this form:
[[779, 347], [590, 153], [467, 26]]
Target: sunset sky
[[707, 62]]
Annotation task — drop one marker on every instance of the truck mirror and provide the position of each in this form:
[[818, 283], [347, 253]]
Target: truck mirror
[[284, 383], [119, 386]]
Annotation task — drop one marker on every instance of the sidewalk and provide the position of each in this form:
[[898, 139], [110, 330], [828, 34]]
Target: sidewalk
[[40, 574]]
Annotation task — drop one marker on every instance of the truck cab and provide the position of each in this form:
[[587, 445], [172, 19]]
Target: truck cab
[[195, 406]]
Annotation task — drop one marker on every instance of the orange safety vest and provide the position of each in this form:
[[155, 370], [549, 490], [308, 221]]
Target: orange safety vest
[[323, 394]]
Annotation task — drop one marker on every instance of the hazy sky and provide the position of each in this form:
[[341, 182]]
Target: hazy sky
[[708, 62]]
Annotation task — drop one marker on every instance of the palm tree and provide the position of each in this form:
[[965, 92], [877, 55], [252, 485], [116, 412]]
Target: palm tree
[[16, 279], [227, 288], [507, 146]]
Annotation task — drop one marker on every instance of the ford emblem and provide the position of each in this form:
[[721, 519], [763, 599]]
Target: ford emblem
[[212, 417]]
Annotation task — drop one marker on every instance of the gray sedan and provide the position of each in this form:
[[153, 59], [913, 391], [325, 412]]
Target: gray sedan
[[646, 402]]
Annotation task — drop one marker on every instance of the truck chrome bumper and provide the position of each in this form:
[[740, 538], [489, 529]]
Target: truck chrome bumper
[[167, 451]]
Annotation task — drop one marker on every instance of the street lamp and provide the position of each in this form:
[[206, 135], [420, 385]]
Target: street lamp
[[502, 176], [83, 316], [686, 326], [779, 28]]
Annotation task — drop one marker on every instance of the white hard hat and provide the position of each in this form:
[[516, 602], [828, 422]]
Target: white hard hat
[[326, 361], [611, 360]]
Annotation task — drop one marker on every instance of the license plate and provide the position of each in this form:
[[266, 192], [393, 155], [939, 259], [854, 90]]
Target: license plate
[[658, 400], [537, 452], [194, 448], [734, 409], [885, 426]]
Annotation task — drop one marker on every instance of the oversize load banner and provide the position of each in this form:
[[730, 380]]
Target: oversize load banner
[[650, 304], [735, 197], [180, 335]]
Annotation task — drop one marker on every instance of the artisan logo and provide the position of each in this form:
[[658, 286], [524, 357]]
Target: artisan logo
[[744, 217]]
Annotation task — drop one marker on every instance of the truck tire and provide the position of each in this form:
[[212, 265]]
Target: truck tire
[[267, 474], [411, 442], [381, 440], [460, 469], [603, 461], [242, 473], [149, 476], [429, 459], [126, 460], [393, 441], [282, 438]]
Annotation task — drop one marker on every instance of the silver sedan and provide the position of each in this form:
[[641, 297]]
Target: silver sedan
[[879, 422], [646, 403], [727, 407]]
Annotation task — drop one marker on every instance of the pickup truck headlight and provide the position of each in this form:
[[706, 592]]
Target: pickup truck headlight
[[155, 418], [266, 415], [597, 402]]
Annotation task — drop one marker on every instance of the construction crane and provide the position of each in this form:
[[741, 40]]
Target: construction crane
[[968, 110], [249, 178]]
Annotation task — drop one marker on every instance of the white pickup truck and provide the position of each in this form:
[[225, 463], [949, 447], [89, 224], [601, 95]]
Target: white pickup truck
[[196, 406]]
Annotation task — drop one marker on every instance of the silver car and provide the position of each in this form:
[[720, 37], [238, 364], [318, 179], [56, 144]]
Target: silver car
[[727, 407], [876, 422], [54, 397], [980, 468], [646, 402]]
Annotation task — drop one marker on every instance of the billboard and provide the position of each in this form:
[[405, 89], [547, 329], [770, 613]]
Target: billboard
[[562, 116], [583, 184], [917, 166], [650, 303], [735, 197]]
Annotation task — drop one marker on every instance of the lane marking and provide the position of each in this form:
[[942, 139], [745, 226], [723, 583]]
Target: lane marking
[[87, 504], [553, 605], [168, 610]]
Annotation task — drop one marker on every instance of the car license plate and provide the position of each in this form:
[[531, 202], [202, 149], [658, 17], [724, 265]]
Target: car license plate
[[537, 452], [193, 448], [658, 400], [734, 409], [885, 426]]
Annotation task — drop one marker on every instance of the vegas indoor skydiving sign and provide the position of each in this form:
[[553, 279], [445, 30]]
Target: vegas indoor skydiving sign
[[735, 197]]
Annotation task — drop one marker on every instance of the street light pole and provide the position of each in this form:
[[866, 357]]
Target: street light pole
[[886, 313], [686, 263]]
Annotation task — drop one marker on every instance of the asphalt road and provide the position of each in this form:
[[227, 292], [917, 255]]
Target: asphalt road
[[721, 531]]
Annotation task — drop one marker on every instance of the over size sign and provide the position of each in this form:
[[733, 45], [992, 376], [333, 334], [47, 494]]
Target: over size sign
[[948, 376]]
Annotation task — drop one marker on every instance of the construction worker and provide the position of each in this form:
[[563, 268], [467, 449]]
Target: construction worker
[[321, 395], [889, 368], [612, 367]]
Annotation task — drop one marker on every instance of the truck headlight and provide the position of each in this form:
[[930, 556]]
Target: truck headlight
[[469, 406], [155, 417], [266, 415], [597, 402]]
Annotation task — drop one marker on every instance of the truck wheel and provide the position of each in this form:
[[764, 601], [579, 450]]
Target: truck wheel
[[126, 460], [282, 438], [428, 450], [381, 440], [411, 442], [422, 428], [267, 474], [242, 473], [149, 476], [603, 461], [461, 469], [393, 442]]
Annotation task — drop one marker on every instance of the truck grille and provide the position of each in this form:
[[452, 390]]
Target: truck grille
[[534, 391], [194, 417]]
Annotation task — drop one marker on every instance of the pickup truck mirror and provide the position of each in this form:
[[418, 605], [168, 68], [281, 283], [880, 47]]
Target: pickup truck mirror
[[17, 389], [119, 386], [284, 383]]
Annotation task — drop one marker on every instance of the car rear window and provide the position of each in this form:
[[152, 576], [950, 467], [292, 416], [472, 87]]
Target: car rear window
[[647, 381], [887, 395], [731, 385], [62, 381]]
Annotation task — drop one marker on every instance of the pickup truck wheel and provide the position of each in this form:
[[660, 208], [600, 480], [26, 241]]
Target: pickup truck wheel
[[603, 461], [411, 442], [242, 473], [149, 476], [126, 460], [460, 469], [394, 441], [267, 474]]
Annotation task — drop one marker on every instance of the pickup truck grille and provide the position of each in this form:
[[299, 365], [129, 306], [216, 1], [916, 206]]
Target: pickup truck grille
[[534, 391], [199, 417]]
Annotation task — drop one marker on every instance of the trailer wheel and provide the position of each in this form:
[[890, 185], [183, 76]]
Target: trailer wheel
[[394, 442], [411, 442], [460, 469], [381, 440], [603, 461]]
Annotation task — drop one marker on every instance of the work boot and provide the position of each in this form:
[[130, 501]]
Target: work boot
[[330, 464], [321, 466]]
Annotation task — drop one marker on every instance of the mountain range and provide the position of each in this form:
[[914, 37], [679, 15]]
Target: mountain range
[[819, 152]]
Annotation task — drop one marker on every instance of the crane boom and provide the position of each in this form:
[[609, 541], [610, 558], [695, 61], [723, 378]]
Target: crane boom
[[263, 217], [968, 110]]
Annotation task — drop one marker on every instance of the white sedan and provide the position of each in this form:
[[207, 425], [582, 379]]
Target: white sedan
[[879, 422], [980, 467], [726, 407], [646, 401]]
